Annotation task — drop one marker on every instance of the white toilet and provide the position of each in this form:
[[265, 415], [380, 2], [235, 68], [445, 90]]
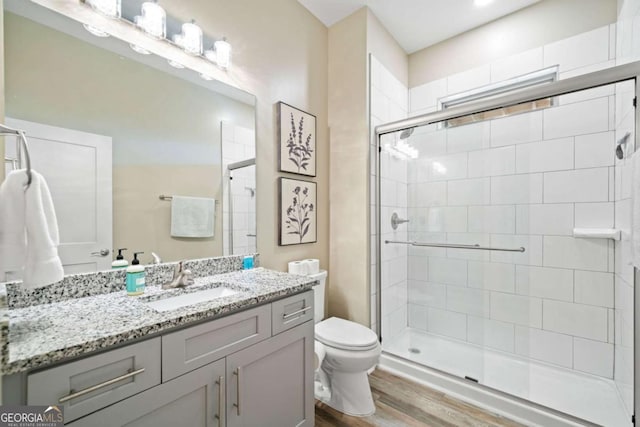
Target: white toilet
[[345, 352]]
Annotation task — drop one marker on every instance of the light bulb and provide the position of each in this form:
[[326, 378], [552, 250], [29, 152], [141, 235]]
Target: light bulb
[[110, 8], [153, 20], [223, 53], [190, 39]]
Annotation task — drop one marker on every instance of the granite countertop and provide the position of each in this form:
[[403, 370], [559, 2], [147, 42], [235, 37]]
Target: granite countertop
[[42, 334]]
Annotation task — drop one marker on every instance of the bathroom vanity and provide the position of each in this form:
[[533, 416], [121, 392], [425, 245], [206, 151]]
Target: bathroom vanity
[[243, 359]]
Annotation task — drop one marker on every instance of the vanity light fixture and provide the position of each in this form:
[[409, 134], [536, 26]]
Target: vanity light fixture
[[110, 8], [223, 53], [152, 20], [190, 40]]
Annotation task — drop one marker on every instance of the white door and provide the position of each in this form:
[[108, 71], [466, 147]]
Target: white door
[[77, 167]]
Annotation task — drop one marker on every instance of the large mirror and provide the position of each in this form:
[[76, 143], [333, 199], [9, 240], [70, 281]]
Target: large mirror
[[132, 149]]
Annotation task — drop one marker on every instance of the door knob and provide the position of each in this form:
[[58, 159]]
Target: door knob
[[101, 252]]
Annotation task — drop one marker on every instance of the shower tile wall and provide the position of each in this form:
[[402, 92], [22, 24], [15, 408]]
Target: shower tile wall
[[238, 143], [525, 180], [628, 49], [389, 102]]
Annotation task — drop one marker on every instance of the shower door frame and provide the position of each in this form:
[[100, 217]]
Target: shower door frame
[[230, 168], [617, 74]]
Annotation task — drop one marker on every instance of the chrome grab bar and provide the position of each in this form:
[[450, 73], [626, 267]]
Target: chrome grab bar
[[87, 390], [455, 246]]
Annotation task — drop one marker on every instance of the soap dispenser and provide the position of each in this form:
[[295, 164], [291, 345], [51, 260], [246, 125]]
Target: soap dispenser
[[135, 276], [120, 262]]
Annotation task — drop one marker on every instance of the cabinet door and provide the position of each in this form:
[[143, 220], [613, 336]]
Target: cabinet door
[[195, 399], [270, 384]]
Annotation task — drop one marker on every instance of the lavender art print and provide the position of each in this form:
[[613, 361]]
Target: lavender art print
[[297, 212], [297, 136]]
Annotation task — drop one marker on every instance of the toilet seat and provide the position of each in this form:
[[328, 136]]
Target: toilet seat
[[345, 335]]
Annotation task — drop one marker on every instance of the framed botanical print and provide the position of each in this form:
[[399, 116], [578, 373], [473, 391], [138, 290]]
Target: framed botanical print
[[297, 139], [297, 200]]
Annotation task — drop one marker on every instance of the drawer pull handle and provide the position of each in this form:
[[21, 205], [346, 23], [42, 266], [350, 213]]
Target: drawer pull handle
[[237, 373], [88, 390], [221, 402], [295, 313]]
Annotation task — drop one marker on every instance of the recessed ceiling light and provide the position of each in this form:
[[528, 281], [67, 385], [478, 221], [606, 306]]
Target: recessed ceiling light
[[481, 3]]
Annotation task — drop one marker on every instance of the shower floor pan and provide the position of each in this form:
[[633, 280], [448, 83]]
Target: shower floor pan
[[585, 396]]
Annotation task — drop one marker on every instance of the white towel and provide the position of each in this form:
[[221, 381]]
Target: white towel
[[192, 216], [29, 235], [635, 208]]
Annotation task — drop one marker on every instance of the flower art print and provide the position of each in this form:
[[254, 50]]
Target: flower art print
[[297, 136], [297, 212]]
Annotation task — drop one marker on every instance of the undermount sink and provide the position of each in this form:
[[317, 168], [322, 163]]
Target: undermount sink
[[184, 300]]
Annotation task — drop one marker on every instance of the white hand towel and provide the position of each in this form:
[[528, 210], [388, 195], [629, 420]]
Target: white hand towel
[[13, 237], [29, 213], [192, 216], [635, 208]]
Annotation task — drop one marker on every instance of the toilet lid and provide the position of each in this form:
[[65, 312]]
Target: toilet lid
[[344, 334]]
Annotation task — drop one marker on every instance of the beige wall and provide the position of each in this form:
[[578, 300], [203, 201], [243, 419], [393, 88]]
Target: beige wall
[[280, 54], [350, 42], [539, 24], [348, 293]]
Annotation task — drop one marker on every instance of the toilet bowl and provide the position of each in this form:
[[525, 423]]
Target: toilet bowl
[[345, 352]]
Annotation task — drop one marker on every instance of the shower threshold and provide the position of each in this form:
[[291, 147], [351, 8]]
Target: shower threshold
[[584, 396]]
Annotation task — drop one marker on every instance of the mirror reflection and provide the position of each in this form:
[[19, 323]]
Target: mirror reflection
[[112, 135]]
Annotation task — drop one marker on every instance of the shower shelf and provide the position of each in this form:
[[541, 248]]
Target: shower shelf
[[597, 233]]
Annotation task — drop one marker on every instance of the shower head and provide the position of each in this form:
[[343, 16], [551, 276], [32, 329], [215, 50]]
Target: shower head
[[406, 133]]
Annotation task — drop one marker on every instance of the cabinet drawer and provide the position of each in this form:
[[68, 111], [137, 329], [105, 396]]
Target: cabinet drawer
[[191, 348], [92, 383], [194, 399], [292, 311]]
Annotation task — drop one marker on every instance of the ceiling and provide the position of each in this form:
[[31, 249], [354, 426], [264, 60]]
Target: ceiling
[[416, 24]]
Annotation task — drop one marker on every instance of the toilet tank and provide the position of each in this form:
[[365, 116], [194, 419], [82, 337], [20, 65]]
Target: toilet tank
[[318, 295]]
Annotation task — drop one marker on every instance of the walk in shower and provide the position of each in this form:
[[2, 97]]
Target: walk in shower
[[503, 235]]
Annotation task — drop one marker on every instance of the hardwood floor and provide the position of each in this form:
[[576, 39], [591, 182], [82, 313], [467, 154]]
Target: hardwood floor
[[400, 402]]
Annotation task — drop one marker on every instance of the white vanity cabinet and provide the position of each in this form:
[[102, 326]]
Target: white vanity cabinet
[[238, 370]]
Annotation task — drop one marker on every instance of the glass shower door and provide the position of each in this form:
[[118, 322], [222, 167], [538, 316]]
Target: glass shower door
[[529, 308]]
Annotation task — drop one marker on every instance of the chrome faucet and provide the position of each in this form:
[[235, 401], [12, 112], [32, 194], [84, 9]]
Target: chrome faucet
[[156, 258], [181, 278]]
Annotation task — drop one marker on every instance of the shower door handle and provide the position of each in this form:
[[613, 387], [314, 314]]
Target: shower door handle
[[455, 246]]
